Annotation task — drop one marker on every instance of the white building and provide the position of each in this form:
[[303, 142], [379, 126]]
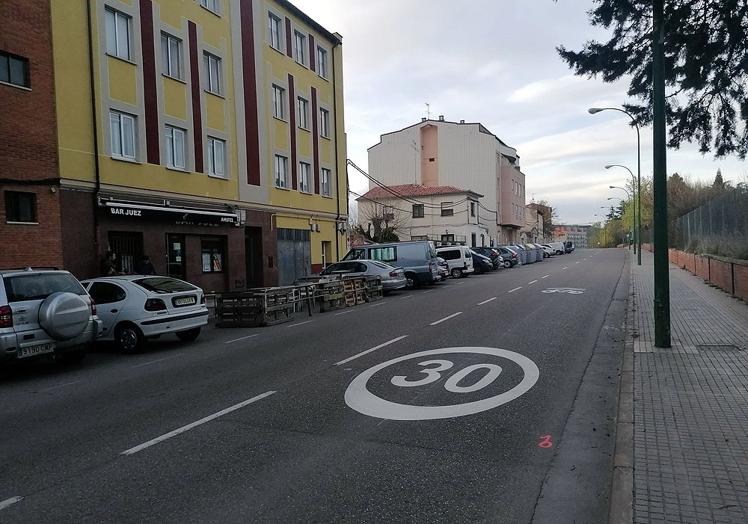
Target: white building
[[466, 155], [444, 214], [533, 230]]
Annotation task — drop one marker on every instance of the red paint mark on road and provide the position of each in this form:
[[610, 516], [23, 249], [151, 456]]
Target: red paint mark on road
[[546, 441]]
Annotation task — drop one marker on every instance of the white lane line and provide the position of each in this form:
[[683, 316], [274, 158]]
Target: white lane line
[[453, 315], [577, 262], [429, 291], [377, 305], [532, 282], [487, 301], [343, 312], [515, 289], [564, 268], [9, 502], [155, 361], [460, 282], [301, 323], [406, 296], [380, 346], [241, 338], [188, 427], [545, 276], [58, 386]]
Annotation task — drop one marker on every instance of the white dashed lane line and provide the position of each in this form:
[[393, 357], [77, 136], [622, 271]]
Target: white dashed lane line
[[531, 282], [406, 296], [377, 305], [380, 346], [9, 502], [564, 268], [343, 312], [58, 386], [515, 289], [241, 338], [300, 323], [487, 301], [453, 315], [545, 276], [155, 361]]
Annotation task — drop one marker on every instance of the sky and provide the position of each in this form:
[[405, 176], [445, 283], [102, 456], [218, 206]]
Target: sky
[[495, 62]]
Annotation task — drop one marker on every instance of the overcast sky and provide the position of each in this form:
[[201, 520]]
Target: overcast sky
[[494, 62]]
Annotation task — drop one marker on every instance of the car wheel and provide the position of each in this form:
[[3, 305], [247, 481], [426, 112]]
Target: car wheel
[[189, 336], [71, 357], [411, 281], [129, 339], [456, 273], [507, 264]]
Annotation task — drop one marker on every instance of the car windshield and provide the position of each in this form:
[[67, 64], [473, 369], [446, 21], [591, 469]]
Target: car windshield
[[164, 285], [37, 286]]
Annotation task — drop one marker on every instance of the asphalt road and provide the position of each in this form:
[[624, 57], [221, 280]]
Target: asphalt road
[[283, 424]]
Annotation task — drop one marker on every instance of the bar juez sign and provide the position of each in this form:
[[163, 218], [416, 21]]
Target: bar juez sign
[[178, 215]]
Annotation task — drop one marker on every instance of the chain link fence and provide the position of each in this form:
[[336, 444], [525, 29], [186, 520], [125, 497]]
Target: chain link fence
[[719, 227]]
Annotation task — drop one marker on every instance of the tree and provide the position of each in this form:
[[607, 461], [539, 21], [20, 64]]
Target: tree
[[719, 183], [706, 57], [549, 215], [381, 222]]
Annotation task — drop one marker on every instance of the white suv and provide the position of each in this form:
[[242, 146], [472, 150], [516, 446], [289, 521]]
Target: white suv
[[45, 311]]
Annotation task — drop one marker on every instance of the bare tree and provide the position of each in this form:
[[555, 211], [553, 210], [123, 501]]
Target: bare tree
[[381, 222]]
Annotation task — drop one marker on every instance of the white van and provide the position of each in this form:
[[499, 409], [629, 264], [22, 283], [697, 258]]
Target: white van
[[558, 247], [458, 258]]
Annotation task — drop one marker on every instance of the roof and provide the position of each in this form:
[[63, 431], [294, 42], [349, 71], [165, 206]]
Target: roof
[[414, 190], [334, 38]]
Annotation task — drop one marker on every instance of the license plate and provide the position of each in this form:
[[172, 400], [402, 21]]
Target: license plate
[[185, 301], [39, 349]]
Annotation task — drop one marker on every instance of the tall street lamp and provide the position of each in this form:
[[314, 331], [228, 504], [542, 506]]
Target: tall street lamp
[[594, 110], [637, 217]]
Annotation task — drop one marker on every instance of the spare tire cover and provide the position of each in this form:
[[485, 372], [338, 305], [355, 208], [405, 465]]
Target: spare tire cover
[[64, 315]]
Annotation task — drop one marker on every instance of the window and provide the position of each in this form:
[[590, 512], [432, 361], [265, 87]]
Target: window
[[210, 5], [281, 171], [213, 254], [447, 239], [118, 34], [279, 95], [447, 210], [383, 254], [449, 254], [418, 211], [388, 213], [324, 123], [122, 128], [216, 157], [14, 70], [175, 143], [20, 207], [106, 293], [171, 56], [299, 48], [322, 62], [302, 106], [472, 209], [473, 240], [325, 182], [213, 80], [305, 170], [274, 24]]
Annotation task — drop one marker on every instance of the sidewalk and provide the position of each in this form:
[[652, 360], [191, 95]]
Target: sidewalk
[[690, 409]]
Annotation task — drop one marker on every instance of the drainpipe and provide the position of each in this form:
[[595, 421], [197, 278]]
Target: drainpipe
[[95, 124], [337, 160]]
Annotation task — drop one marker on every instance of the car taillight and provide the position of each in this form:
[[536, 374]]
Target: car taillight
[[394, 274], [6, 317], [155, 304]]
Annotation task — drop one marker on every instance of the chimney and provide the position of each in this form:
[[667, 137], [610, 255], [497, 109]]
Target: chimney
[[441, 118], [462, 121], [423, 119]]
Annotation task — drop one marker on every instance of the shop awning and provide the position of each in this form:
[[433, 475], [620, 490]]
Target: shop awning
[[179, 214]]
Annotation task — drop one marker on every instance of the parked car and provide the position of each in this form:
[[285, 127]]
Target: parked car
[[569, 246], [443, 268], [548, 250], [45, 312], [137, 307], [459, 259], [481, 264], [417, 258], [392, 278], [492, 253], [558, 247], [510, 256]]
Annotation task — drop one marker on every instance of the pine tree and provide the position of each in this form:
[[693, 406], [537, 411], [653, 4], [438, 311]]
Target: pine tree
[[706, 56], [719, 183]]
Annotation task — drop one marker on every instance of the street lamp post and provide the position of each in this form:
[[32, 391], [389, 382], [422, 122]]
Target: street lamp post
[[594, 110], [637, 217]]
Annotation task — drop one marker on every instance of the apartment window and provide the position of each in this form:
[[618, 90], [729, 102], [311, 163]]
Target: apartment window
[[322, 62], [213, 68], [171, 56], [175, 147], [122, 127], [472, 209], [14, 70], [299, 48], [211, 5], [274, 24], [325, 180], [213, 252], [304, 174], [20, 207], [302, 106], [418, 211], [279, 97], [281, 171], [324, 123], [447, 210], [118, 33], [216, 157]]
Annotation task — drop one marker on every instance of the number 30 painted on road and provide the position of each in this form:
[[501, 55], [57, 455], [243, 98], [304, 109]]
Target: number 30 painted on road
[[452, 383]]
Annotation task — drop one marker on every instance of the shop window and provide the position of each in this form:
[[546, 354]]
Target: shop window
[[127, 248], [213, 255]]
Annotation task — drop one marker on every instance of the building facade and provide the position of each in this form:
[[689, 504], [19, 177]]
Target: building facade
[[465, 155], [444, 214], [574, 233], [205, 134], [534, 225]]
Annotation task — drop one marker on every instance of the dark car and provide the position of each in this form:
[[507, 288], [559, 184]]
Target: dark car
[[492, 253], [569, 246], [481, 264], [511, 258]]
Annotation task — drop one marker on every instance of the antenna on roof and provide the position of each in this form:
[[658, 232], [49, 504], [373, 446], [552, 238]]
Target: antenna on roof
[[428, 111]]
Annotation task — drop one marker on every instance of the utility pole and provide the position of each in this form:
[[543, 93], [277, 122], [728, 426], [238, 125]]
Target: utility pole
[[661, 270]]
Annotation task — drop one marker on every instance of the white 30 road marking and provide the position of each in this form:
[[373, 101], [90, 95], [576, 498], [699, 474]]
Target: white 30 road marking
[[380, 346], [453, 315], [487, 301], [188, 427], [241, 338], [358, 397], [9, 502]]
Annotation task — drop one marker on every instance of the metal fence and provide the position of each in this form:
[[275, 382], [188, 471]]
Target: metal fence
[[719, 227]]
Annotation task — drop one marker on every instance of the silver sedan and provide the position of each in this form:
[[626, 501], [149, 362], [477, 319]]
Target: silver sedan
[[392, 277]]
